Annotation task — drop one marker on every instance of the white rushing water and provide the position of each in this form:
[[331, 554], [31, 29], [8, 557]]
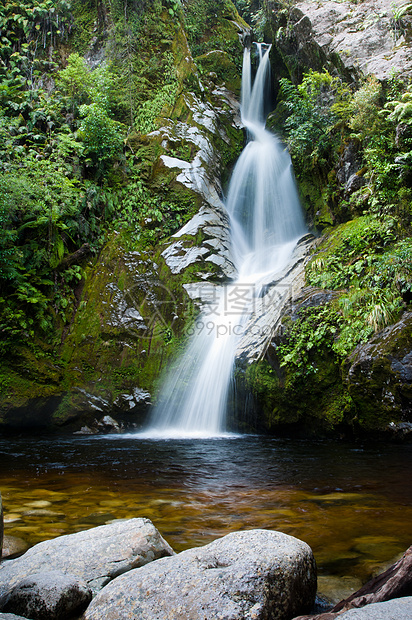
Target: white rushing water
[[266, 222]]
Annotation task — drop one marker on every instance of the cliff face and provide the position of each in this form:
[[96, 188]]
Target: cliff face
[[339, 354], [178, 79]]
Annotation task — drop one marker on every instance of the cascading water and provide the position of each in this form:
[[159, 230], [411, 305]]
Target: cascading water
[[266, 222]]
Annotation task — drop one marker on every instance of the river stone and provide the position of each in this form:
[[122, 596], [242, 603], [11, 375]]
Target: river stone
[[48, 596], [256, 574], [95, 556], [396, 609], [13, 546]]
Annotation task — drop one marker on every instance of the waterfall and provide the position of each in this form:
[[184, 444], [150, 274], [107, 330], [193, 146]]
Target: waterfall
[[266, 222]]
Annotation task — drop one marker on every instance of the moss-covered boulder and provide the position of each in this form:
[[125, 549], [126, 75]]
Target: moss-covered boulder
[[379, 376]]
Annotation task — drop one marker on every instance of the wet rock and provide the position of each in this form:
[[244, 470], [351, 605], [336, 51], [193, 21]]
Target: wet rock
[[94, 556], [349, 167], [212, 224], [354, 183], [402, 429], [85, 430], [48, 596], [13, 546], [129, 401], [253, 574], [379, 375], [271, 303], [108, 425]]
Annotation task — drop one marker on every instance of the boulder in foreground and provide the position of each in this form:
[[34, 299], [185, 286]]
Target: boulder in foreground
[[94, 556], [251, 575], [396, 609], [48, 596]]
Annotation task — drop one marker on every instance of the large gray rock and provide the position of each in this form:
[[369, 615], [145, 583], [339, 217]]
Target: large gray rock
[[396, 609], [212, 224], [48, 596], [94, 556], [257, 574], [365, 35]]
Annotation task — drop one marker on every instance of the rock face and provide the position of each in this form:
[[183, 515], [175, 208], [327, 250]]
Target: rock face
[[48, 596], [379, 374], [366, 36], [274, 297], [342, 36], [255, 575], [94, 556], [212, 223]]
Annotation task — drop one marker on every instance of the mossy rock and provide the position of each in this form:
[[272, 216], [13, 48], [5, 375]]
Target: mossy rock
[[221, 66], [379, 376]]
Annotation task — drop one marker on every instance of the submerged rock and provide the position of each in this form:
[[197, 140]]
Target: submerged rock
[[94, 556], [256, 574], [13, 546]]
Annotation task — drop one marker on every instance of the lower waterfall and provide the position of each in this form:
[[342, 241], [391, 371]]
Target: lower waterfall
[[266, 223]]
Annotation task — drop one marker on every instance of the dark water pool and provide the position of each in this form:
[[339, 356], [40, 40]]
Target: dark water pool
[[351, 504]]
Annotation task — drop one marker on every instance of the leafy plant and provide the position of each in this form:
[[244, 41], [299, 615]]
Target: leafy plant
[[313, 108]]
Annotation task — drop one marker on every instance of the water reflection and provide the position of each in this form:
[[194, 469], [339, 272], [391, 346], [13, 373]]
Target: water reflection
[[352, 505]]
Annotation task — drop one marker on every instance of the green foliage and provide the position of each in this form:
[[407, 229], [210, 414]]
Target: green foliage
[[375, 272], [101, 135], [149, 217], [313, 333], [150, 110], [205, 22], [364, 109], [313, 110], [75, 81], [350, 251]]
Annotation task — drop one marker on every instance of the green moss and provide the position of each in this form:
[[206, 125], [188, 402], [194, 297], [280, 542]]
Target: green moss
[[287, 400]]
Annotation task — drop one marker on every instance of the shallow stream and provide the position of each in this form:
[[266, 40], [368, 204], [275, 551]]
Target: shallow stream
[[351, 503]]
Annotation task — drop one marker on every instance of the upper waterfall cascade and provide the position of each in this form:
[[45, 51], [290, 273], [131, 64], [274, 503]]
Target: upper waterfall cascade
[[266, 223]]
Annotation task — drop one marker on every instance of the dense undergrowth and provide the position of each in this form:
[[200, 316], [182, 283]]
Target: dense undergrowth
[[367, 259], [74, 160]]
